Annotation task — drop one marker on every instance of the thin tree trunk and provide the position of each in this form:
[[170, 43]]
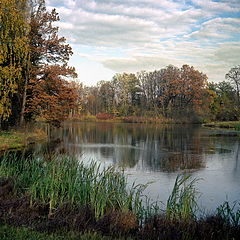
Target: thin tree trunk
[[23, 103], [24, 95]]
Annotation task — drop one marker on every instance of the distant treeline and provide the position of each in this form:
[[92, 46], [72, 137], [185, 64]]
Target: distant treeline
[[171, 92]]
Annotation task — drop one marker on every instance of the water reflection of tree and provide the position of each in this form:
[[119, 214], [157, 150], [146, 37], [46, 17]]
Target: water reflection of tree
[[158, 148], [236, 169], [181, 162], [165, 148]]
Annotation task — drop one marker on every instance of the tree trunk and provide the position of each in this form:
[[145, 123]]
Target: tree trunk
[[23, 104], [24, 94]]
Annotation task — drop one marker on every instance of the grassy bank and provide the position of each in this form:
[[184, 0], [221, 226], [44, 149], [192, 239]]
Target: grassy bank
[[62, 196], [22, 233], [131, 119], [229, 125], [15, 139]]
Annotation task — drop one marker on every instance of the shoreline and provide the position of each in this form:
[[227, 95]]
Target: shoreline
[[226, 125], [17, 139]]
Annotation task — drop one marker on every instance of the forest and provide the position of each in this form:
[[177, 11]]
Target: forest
[[172, 92], [36, 81]]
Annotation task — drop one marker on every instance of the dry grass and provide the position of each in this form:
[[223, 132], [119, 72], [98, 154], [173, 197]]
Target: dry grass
[[17, 139]]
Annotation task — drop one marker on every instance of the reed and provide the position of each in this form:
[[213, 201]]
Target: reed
[[182, 203], [230, 214], [67, 180]]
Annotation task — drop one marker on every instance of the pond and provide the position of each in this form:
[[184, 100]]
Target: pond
[[157, 154]]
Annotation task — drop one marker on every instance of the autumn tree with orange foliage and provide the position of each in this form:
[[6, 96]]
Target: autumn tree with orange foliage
[[190, 91], [174, 92], [171, 92], [49, 94], [33, 65]]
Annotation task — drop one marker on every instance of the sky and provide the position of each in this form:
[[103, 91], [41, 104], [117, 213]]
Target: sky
[[116, 36]]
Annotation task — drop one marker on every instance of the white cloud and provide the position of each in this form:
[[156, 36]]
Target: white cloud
[[138, 63], [152, 33], [218, 28], [228, 53], [112, 23], [214, 6]]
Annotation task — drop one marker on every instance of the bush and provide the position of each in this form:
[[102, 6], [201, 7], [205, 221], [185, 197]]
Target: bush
[[104, 116]]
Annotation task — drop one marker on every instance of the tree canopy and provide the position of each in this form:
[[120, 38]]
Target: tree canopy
[[14, 53], [33, 64]]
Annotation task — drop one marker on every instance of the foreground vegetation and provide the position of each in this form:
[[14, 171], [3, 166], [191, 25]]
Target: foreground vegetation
[[63, 196], [21, 233], [15, 139]]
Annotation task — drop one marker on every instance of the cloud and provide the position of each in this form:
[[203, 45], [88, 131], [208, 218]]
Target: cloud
[[214, 61], [217, 6], [134, 35], [114, 23], [139, 63], [218, 28], [228, 53], [102, 29]]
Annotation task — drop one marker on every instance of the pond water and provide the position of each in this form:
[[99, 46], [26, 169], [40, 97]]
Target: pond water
[[157, 154]]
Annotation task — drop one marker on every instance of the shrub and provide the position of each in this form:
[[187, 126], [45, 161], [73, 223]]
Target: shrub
[[104, 116]]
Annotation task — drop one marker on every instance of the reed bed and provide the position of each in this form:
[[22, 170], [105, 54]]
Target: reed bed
[[69, 188], [66, 180]]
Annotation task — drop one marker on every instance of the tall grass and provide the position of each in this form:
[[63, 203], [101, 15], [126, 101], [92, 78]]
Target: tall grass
[[182, 203], [67, 180], [230, 214]]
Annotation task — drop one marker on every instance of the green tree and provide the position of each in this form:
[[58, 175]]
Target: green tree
[[223, 106], [126, 88], [14, 58], [106, 95], [234, 77]]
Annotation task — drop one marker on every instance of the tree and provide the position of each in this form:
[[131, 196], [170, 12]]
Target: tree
[[126, 88], [33, 64], [234, 77], [106, 95], [79, 91], [151, 89], [91, 103], [48, 93], [193, 86], [170, 88], [14, 58], [223, 106], [52, 97]]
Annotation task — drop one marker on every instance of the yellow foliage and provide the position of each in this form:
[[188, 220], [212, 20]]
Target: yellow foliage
[[13, 51]]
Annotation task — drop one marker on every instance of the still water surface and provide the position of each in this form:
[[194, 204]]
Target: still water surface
[[153, 153]]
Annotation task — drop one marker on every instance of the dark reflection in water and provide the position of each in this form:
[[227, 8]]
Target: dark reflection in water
[[158, 153], [157, 148]]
